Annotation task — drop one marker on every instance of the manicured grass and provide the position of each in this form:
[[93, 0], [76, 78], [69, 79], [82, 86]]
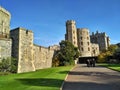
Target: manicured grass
[[44, 79], [111, 66]]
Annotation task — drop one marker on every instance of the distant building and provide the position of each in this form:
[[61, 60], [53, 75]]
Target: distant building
[[88, 45], [101, 39]]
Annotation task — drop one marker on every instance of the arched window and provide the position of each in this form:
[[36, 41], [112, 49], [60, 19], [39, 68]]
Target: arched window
[[88, 43], [82, 49], [88, 49], [81, 43]]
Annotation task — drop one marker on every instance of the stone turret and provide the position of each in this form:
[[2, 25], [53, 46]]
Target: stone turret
[[22, 49], [84, 41], [5, 41], [4, 23], [71, 32]]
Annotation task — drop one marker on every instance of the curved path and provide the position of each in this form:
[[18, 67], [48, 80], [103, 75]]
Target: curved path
[[92, 78]]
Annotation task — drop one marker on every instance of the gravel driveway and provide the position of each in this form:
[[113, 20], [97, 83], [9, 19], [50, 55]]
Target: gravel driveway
[[92, 78]]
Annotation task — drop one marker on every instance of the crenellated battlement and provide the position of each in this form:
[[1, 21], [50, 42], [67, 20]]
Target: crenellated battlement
[[5, 11], [69, 22], [83, 29]]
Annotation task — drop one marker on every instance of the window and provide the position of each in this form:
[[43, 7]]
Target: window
[[88, 49], [82, 49], [73, 32], [88, 43], [81, 38], [81, 43], [87, 38], [74, 37], [74, 42]]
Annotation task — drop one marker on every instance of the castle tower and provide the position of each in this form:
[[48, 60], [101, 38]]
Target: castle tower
[[4, 23], [22, 49], [71, 32], [5, 41], [84, 42]]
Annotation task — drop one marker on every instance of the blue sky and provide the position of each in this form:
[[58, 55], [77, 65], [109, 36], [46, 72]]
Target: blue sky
[[46, 18]]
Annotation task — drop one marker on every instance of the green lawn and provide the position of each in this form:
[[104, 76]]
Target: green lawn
[[111, 66], [44, 79]]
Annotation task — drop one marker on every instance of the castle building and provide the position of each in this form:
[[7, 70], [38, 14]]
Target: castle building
[[84, 44], [5, 41], [71, 32], [30, 56], [22, 48], [102, 39], [88, 45], [18, 43]]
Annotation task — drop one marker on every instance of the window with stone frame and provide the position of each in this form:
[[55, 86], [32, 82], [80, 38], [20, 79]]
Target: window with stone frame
[[88, 48], [81, 38], [88, 43], [87, 38], [82, 49], [81, 43]]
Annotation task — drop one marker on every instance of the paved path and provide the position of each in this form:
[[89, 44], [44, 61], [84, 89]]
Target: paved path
[[93, 78]]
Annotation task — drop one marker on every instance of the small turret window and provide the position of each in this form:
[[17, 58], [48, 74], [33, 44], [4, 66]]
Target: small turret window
[[81, 43], [88, 49], [82, 49], [81, 38], [88, 43], [87, 38]]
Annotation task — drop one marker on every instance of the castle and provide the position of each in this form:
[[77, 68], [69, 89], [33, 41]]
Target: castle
[[88, 45], [18, 43]]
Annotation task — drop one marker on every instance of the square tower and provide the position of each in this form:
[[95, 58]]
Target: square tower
[[22, 49], [71, 32]]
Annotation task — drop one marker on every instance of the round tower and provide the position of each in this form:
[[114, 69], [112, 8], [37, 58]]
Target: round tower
[[71, 32], [4, 23], [84, 42]]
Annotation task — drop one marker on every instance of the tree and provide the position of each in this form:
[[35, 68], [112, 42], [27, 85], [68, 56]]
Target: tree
[[14, 63], [55, 60], [117, 54], [105, 54], [67, 53], [77, 53]]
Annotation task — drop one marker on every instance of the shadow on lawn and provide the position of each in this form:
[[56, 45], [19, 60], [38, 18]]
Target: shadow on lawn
[[64, 72], [41, 82]]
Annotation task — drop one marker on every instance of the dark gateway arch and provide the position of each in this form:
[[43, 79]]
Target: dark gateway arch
[[83, 59]]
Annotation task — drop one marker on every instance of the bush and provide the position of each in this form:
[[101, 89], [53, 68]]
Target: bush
[[5, 65], [8, 65]]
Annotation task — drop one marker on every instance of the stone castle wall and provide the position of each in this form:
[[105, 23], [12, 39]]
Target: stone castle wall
[[4, 23], [42, 57], [94, 49], [23, 42], [5, 41], [30, 56], [5, 48]]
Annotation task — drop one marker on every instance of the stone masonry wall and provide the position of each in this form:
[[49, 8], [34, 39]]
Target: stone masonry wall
[[4, 23], [30, 57], [23, 46], [5, 48], [42, 57]]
